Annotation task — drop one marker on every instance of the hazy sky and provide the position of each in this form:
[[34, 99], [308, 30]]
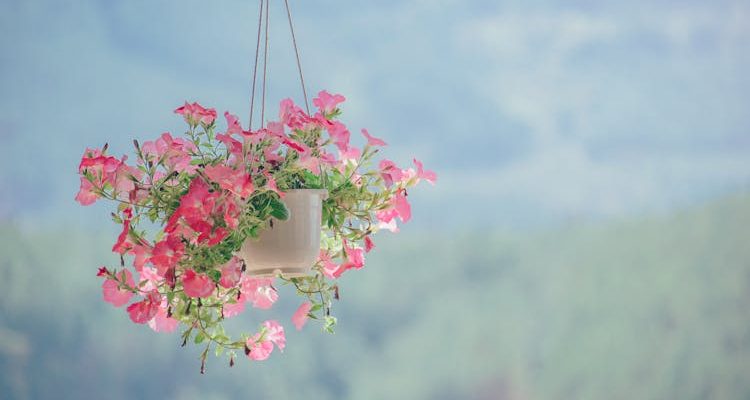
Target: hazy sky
[[530, 112]]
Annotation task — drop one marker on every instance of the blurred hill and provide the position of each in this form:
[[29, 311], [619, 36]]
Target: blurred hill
[[649, 308]]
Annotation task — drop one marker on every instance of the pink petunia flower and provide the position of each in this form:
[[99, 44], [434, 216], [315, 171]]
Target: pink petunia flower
[[339, 134], [327, 102], [369, 245], [401, 205], [86, 194], [142, 311], [173, 152], [259, 291], [195, 114], [390, 172], [291, 115], [234, 309], [161, 322], [166, 253], [329, 267], [355, 259], [236, 181], [372, 140], [112, 292], [429, 176], [299, 319], [261, 345], [231, 273], [233, 124], [124, 244], [197, 285], [141, 253], [350, 153]]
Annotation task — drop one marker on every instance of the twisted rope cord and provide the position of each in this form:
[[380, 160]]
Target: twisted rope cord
[[255, 68], [263, 26], [296, 53], [265, 69]]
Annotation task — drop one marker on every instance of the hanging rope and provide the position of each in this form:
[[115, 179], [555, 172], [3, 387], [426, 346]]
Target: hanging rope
[[263, 26], [296, 53], [265, 68], [255, 68]]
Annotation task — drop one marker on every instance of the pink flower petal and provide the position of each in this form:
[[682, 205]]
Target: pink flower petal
[[162, 323], [429, 176], [300, 316], [231, 273], [115, 296], [143, 311], [371, 140], [258, 350], [369, 245], [197, 285], [327, 102], [86, 195], [234, 309]]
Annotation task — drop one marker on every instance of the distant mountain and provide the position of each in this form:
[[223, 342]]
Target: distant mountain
[[632, 309]]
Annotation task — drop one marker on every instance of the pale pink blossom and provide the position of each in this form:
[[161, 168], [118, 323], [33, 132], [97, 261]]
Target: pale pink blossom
[[231, 272], [173, 152], [261, 345], [234, 309], [327, 103], [390, 225], [350, 153], [162, 322], [372, 140], [310, 163], [196, 284], [86, 194], [355, 259], [339, 134], [233, 124], [236, 181], [195, 113], [141, 254], [369, 245], [112, 292], [390, 172], [291, 115], [401, 205], [429, 176], [259, 291], [300, 316], [142, 311], [124, 243], [329, 267], [166, 253]]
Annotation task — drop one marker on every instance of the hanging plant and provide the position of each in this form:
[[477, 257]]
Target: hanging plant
[[211, 220]]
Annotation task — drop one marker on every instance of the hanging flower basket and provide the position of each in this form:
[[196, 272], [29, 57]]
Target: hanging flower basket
[[212, 222], [234, 210], [288, 246]]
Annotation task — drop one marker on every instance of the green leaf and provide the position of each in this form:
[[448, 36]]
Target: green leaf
[[312, 181], [330, 323], [199, 338], [214, 275], [219, 350], [279, 210]]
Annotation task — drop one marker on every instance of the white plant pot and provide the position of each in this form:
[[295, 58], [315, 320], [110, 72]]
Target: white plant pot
[[290, 247]]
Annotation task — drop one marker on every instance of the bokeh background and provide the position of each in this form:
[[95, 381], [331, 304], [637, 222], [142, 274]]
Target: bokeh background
[[587, 239]]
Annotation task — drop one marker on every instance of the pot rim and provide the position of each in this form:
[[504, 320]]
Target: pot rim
[[323, 193]]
